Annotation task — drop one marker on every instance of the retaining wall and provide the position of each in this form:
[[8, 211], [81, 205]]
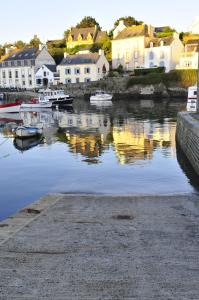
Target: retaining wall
[[187, 135]]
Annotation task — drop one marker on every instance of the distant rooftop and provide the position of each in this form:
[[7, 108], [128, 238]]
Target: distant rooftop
[[78, 59]]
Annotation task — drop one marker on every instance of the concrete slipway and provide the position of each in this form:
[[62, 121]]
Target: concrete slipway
[[102, 247]]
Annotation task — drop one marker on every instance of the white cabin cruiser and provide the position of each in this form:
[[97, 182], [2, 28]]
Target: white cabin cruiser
[[192, 99], [57, 97], [101, 96]]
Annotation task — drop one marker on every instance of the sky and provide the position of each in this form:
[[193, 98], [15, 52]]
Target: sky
[[21, 19]]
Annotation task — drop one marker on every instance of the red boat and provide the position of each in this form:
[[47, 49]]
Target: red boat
[[10, 107]]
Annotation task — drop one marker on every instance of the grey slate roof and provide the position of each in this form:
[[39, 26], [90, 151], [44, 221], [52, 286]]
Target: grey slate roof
[[52, 68], [78, 59], [26, 53]]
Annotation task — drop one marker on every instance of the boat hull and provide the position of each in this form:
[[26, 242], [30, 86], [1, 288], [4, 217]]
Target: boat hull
[[63, 102], [101, 98], [10, 108], [27, 132], [39, 105]]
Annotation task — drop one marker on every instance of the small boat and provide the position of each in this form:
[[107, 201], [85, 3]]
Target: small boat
[[10, 107], [101, 96], [28, 143], [57, 97], [192, 99], [27, 132], [40, 102]]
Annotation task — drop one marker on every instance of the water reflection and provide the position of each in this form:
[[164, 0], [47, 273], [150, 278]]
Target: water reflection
[[89, 133]]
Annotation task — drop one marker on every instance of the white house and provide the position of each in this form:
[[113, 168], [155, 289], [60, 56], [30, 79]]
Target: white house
[[128, 46], [83, 67], [46, 75], [189, 59], [18, 68], [163, 52]]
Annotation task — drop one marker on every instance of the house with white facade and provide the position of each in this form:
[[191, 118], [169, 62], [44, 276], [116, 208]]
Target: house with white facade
[[163, 52], [189, 58], [18, 68], [128, 46], [46, 75], [83, 67]]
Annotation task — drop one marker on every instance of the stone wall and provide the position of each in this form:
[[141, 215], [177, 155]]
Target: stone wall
[[187, 136]]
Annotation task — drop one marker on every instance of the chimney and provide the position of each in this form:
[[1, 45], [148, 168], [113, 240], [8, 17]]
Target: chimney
[[101, 52]]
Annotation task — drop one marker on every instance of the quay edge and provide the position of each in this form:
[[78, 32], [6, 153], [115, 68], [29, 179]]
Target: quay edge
[[187, 136]]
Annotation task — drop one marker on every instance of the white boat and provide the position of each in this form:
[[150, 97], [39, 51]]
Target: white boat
[[26, 131], [57, 97], [192, 99], [101, 103], [40, 102], [101, 96], [11, 107]]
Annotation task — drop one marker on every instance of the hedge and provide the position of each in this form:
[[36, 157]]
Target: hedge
[[182, 78], [139, 72]]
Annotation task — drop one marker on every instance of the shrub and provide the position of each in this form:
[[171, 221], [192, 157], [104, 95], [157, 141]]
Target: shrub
[[143, 71], [183, 78]]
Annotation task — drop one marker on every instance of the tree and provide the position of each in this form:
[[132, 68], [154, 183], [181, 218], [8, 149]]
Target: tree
[[19, 44], [35, 42], [167, 31], [88, 22], [66, 33], [128, 21]]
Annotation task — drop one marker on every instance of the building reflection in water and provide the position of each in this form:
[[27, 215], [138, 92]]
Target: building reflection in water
[[91, 134]]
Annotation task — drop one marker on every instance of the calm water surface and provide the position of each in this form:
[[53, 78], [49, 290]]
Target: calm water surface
[[128, 147]]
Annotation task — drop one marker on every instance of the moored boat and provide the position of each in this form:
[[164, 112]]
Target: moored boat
[[57, 97], [192, 99], [101, 96], [11, 107], [27, 131], [37, 103]]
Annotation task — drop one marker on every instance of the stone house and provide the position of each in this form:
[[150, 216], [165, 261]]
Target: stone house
[[83, 67], [163, 52], [85, 36], [128, 46], [189, 58], [19, 67]]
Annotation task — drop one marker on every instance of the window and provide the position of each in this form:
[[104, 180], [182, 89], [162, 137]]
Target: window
[[77, 71], [16, 74], [23, 74], [30, 82], [4, 74], [162, 64], [25, 62], [162, 55], [19, 63], [151, 65], [12, 63], [87, 70], [67, 71], [136, 54], [68, 80], [10, 74], [77, 80], [23, 83], [98, 70], [151, 55], [87, 80], [45, 74], [38, 81]]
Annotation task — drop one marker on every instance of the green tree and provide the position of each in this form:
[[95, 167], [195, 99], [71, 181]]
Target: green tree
[[35, 42], [128, 21], [88, 22], [167, 31], [19, 44]]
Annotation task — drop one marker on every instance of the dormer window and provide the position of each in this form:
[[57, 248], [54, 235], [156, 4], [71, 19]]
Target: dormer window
[[162, 43], [151, 44]]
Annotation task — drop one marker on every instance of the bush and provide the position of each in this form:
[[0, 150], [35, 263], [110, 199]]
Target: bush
[[139, 72], [182, 78]]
